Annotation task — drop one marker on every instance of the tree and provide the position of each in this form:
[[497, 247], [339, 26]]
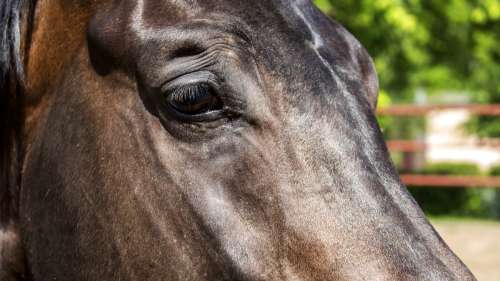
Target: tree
[[435, 45]]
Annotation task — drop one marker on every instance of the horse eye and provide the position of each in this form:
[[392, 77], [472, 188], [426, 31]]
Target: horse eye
[[194, 99]]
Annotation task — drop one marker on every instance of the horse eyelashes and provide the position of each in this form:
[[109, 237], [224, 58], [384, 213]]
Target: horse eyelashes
[[193, 99], [190, 93]]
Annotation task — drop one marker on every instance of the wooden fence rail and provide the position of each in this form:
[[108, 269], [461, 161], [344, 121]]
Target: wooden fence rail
[[420, 110], [411, 146], [416, 146], [451, 181]]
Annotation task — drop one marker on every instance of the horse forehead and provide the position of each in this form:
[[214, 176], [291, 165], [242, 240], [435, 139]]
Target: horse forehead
[[275, 28], [242, 7], [284, 25], [257, 14]]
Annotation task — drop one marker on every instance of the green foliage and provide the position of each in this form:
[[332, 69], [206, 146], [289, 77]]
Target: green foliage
[[430, 44], [445, 168], [454, 201], [495, 171], [436, 46], [439, 201], [386, 122]]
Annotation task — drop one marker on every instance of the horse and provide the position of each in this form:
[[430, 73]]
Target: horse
[[198, 140]]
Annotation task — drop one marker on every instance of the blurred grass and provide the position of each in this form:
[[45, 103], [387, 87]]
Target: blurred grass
[[475, 242]]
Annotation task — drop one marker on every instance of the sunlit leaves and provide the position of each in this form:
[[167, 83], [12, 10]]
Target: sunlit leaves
[[324, 5], [428, 44], [434, 44]]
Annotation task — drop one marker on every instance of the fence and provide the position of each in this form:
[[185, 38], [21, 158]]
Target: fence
[[416, 146]]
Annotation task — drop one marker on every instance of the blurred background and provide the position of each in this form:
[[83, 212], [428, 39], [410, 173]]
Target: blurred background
[[439, 69]]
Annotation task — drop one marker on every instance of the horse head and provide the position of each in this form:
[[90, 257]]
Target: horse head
[[199, 140]]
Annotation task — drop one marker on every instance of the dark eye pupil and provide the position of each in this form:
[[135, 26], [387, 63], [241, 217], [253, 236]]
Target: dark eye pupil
[[193, 99]]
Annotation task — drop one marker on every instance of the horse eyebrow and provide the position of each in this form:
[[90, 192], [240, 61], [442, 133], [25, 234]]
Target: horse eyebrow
[[11, 96]]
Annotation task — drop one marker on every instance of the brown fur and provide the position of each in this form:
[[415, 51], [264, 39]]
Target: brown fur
[[293, 182]]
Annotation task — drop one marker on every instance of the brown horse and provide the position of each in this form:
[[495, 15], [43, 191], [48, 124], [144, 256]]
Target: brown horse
[[198, 140]]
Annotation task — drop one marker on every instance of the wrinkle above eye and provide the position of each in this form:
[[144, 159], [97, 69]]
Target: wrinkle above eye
[[158, 69], [191, 78], [182, 66]]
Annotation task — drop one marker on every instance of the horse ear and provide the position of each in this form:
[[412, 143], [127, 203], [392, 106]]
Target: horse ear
[[369, 77]]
